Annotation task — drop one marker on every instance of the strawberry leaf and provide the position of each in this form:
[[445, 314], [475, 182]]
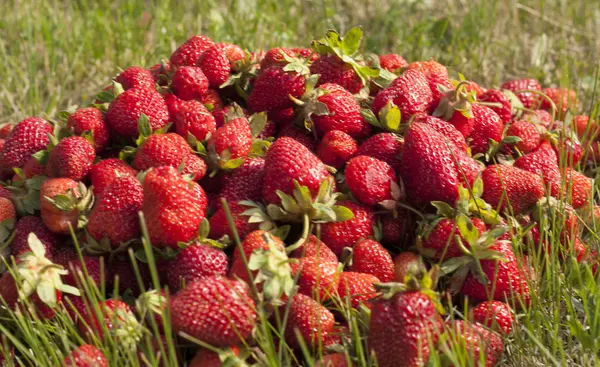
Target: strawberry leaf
[[105, 97], [258, 121], [351, 41], [144, 126], [466, 229]]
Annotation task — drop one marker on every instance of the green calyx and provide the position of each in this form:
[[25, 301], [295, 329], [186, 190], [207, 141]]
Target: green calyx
[[152, 302], [244, 71], [257, 213], [457, 99], [389, 118], [80, 199], [417, 279], [26, 193], [296, 64], [309, 104]]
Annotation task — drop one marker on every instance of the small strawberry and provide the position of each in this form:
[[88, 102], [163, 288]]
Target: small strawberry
[[336, 148], [370, 257], [476, 88], [494, 314], [125, 111], [174, 104], [93, 120], [104, 172], [219, 225], [215, 310], [209, 358], [193, 118], [194, 166], [436, 74], [585, 128], [189, 82], [161, 72], [313, 247], [334, 360], [511, 188], [161, 150], [504, 110], [396, 231], [196, 262], [439, 238], [135, 77], [386, 147], [212, 100], [578, 188], [404, 264], [371, 181], [217, 62], [525, 90], [116, 318], [487, 126], [122, 274], [312, 321], [357, 287], [544, 163], [528, 133], [392, 62], [5, 130], [276, 56], [33, 224], [563, 98], [27, 137], [85, 355], [317, 278], [72, 158], [63, 203], [254, 241], [173, 208], [92, 267], [410, 93], [338, 235], [230, 144], [190, 51], [540, 117], [244, 183], [468, 343], [225, 112]]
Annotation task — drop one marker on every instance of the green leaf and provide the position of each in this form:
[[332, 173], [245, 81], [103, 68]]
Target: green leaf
[[144, 126], [390, 117], [282, 232], [41, 157], [204, 229], [258, 121], [105, 97], [63, 202], [342, 213], [117, 88], [351, 41], [451, 265], [231, 164], [370, 117], [63, 116], [512, 140], [443, 208], [466, 229], [259, 148], [477, 188]]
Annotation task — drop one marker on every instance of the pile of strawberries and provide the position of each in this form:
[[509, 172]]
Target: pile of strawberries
[[320, 183]]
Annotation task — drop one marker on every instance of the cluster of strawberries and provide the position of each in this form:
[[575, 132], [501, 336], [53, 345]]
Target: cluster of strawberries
[[306, 181]]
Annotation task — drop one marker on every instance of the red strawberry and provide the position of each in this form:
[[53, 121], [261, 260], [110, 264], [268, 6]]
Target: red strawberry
[[208, 358], [212, 100], [317, 278], [585, 128], [504, 111], [196, 262], [189, 82], [487, 126], [439, 243], [530, 99], [410, 92], [540, 117], [5, 130], [473, 343], [161, 150], [244, 183], [578, 188], [85, 355], [115, 215], [190, 51], [219, 226], [474, 87], [445, 128], [173, 208], [93, 120], [194, 166], [333, 360], [257, 240], [436, 74], [160, 72], [104, 172], [370, 257], [563, 98], [221, 114], [308, 318], [125, 110], [386, 147], [58, 215], [370, 180], [301, 136], [72, 158], [404, 263], [392, 62], [333, 70], [230, 142], [357, 287], [7, 211], [544, 163], [528, 133], [286, 161], [118, 321], [511, 188], [69, 258], [338, 235], [193, 118], [282, 117], [276, 57], [273, 87], [215, 310], [313, 247], [32, 224], [135, 77], [217, 62], [494, 314], [397, 231], [174, 104], [28, 136]]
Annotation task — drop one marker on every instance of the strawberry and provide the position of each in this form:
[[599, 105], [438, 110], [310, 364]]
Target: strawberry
[[219, 226], [28, 136], [116, 318], [371, 181], [5, 130], [494, 314], [338, 235], [386, 147], [439, 238], [194, 166], [72, 158], [301, 136], [333, 70], [122, 274], [476, 88], [410, 93], [215, 310], [404, 263], [404, 325], [161, 150], [189, 82], [392, 62], [31, 169], [317, 278], [496, 96], [370, 257], [472, 342], [32, 224], [193, 118], [244, 183], [93, 120], [160, 72], [288, 161], [212, 100], [313, 247], [254, 241], [196, 262], [209, 358], [222, 114], [544, 163], [511, 188], [526, 89], [357, 287], [585, 128], [333, 360], [85, 355], [230, 144], [540, 117], [276, 57], [435, 73], [190, 51], [274, 86], [578, 188], [103, 173], [217, 62], [487, 126], [397, 231], [68, 257], [174, 104], [528, 133], [63, 202], [173, 208], [310, 320], [135, 77], [445, 128], [563, 98], [282, 117], [125, 110], [115, 215]]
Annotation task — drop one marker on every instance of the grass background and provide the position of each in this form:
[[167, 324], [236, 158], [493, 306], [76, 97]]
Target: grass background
[[59, 54]]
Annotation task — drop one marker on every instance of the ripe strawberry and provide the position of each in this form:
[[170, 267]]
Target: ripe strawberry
[[474, 87], [432, 168], [85, 355], [217, 62], [333, 70], [473, 343], [273, 87], [504, 111], [212, 100], [313, 247], [386, 147], [31, 169], [286, 161], [338, 235], [190, 51], [221, 114], [494, 314], [439, 242], [276, 57], [73, 200], [27, 137], [370, 257], [528, 133], [104, 172], [357, 287], [208, 358], [215, 310], [230, 142], [135, 77], [309, 319], [161, 150], [32, 224], [317, 278], [585, 128], [410, 92], [196, 262], [336, 148], [160, 72], [189, 82], [487, 126], [370, 180], [257, 240], [436, 74], [219, 226], [193, 118], [333, 360], [115, 215], [93, 120], [72, 158], [244, 182], [125, 110], [117, 319], [282, 117], [392, 62], [544, 163], [68, 257], [173, 208], [174, 104], [530, 100], [405, 263], [194, 166], [397, 231], [511, 188], [301, 136], [578, 188], [122, 273], [563, 98], [5, 130], [445, 128]]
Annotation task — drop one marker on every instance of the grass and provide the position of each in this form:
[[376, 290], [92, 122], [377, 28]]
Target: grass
[[59, 54]]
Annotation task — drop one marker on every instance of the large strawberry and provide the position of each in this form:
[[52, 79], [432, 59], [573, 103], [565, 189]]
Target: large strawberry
[[445, 128], [215, 310], [85, 355], [135, 77], [72, 158], [525, 90], [511, 188], [369, 257], [371, 181], [338, 235], [189, 82], [104, 172], [28, 136], [312, 321], [196, 262], [410, 93], [92, 120], [125, 111], [173, 208], [190, 51], [192, 118]]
